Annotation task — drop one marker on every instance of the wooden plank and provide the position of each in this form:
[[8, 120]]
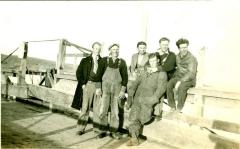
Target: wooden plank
[[50, 95], [19, 91], [64, 76], [23, 66], [75, 55], [215, 93], [183, 135], [82, 49], [202, 122], [61, 56]]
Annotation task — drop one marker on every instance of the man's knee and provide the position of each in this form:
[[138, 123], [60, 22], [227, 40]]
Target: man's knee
[[183, 88], [114, 116], [170, 86]]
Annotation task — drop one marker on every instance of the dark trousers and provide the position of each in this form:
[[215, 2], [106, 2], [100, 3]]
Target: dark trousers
[[181, 93]]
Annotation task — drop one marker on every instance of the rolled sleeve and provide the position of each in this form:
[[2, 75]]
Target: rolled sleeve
[[124, 73]]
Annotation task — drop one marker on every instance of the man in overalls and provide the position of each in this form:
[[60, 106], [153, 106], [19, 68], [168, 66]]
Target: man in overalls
[[89, 82], [146, 91], [114, 82]]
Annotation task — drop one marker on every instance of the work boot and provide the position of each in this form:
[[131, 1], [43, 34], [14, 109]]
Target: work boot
[[101, 135], [133, 142], [172, 110], [116, 135], [179, 111], [80, 133]]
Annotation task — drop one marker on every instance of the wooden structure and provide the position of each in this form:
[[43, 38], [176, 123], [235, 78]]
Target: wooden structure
[[49, 76]]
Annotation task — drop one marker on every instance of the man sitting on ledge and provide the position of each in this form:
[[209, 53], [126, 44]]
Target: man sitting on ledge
[[184, 77], [146, 91]]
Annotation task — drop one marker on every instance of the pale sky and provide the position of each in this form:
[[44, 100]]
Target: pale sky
[[210, 24]]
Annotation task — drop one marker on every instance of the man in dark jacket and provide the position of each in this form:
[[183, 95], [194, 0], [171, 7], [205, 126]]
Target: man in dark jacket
[[167, 59], [89, 90], [183, 78]]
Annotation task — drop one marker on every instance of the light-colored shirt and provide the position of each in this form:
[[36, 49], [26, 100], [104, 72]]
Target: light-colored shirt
[[140, 58]]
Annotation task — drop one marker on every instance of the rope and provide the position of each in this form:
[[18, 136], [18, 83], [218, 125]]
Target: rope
[[78, 47], [44, 40], [9, 55]]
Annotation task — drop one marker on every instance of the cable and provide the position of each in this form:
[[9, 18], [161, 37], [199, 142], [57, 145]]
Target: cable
[[43, 40], [9, 55]]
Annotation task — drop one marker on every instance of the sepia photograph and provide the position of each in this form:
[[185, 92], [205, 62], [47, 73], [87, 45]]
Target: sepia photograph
[[160, 74]]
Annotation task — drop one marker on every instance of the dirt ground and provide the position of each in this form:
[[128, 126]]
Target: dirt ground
[[24, 125], [17, 136]]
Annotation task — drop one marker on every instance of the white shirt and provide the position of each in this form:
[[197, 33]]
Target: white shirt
[[140, 58]]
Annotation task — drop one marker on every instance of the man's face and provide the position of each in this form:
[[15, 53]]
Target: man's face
[[164, 45], [183, 48], [153, 62], [97, 49], [142, 49], [114, 51]]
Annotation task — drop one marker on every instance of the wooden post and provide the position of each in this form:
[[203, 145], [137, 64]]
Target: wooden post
[[7, 81], [75, 62], [199, 105], [201, 67], [23, 66], [61, 57]]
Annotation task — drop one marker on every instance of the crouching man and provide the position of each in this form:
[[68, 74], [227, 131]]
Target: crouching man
[[146, 91]]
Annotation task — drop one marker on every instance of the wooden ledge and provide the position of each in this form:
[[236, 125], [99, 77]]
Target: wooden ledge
[[214, 93]]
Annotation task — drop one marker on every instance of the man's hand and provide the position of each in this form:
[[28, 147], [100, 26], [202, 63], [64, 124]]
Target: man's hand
[[151, 70], [98, 92], [129, 102], [83, 86], [177, 85], [121, 95]]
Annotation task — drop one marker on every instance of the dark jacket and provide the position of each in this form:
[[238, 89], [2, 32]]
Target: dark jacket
[[82, 74], [169, 64], [186, 68]]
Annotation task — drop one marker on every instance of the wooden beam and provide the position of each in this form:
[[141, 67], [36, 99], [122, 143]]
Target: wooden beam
[[50, 95], [19, 91], [42, 80], [82, 49], [215, 93], [64, 76], [202, 122], [49, 81], [75, 55], [61, 56], [23, 66], [181, 135]]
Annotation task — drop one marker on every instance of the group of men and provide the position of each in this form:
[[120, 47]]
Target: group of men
[[103, 83]]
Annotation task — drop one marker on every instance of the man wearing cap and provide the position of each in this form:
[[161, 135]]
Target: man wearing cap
[[183, 78], [89, 90], [114, 82], [146, 91]]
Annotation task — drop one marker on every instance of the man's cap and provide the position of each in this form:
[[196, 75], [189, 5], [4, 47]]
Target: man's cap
[[112, 45]]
